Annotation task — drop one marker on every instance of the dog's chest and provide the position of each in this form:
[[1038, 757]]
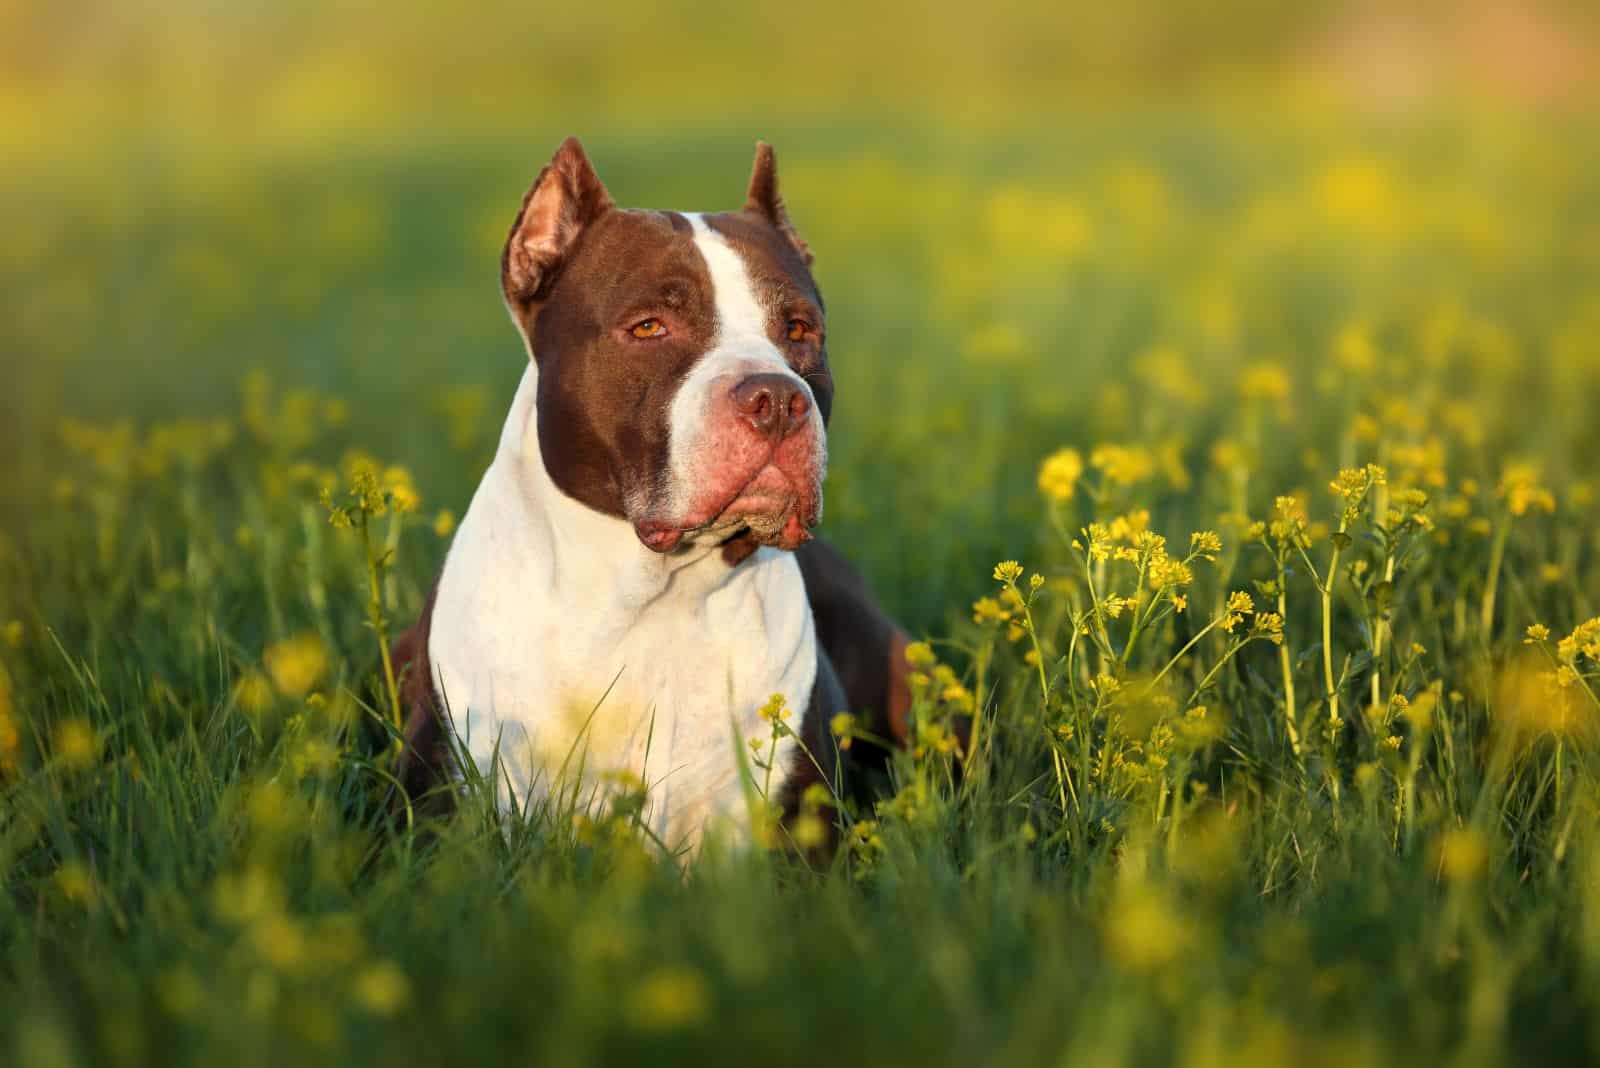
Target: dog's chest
[[568, 692]]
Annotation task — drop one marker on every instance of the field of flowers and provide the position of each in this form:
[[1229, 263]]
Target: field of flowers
[[1238, 477]]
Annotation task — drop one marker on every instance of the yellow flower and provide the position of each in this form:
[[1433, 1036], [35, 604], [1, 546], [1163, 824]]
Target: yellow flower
[[1228, 455], [1205, 543], [668, 1000], [401, 489], [1059, 474], [920, 655], [240, 897], [842, 726], [76, 883], [1530, 700], [13, 633], [75, 743], [1007, 571], [1585, 639], [444, 523], [776, 710], [1123, 464], [958, 696], [1105, 685], [1289, 520], [296, 664], [1353, 483], [315, 756], [1239, 605], [1520, 487], [253, 693], [1270, 626], [1354, 351], [1462, 855], [382, 989], [1265, 381], [1143, 933], [279, 940], [1537, 632], [1128, 527], [809, 831], [988, 610]]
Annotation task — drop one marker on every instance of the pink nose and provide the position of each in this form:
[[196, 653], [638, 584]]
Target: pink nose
[[776, 405]]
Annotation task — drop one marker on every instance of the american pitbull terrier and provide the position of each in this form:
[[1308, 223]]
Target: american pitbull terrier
[[635, 576]]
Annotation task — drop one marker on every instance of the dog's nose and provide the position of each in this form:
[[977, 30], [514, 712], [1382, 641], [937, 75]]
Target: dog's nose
[[772, 403]]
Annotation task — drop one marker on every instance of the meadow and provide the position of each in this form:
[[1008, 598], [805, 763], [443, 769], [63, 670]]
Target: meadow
[[1238, 478]]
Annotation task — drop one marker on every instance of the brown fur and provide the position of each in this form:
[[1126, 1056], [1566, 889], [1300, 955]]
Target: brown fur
[[425, 768]]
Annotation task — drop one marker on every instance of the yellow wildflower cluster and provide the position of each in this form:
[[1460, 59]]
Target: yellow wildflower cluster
[[775, 711], [75, 743], [288, 422], [1059, 474], [1238, 606], [371, 490], [1522, 491], [296, 665], [1267, 382], [843, 726], [1123, 465], [1288, 524], [1352, 486], [1583, 641]]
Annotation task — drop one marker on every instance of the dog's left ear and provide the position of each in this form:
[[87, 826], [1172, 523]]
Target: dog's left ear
[[764, 200]]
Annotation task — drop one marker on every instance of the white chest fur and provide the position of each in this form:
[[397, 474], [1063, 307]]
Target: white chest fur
[[564, 644]]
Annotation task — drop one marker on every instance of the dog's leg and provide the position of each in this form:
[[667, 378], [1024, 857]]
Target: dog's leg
[[424, 767], [867, 648]]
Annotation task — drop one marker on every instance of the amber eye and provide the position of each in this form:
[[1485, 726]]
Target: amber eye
[[797, 329], [647, 328]]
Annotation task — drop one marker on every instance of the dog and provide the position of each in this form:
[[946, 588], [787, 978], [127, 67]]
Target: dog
[[636, 576]]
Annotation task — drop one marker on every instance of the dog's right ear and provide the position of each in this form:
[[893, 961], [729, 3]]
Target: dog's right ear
[[566, 197]]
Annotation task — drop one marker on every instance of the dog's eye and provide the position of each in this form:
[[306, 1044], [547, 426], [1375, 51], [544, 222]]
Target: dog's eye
[[798, 329], [648, 328]]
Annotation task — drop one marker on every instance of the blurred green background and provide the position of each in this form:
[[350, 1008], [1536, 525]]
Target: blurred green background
[[1009, 206]]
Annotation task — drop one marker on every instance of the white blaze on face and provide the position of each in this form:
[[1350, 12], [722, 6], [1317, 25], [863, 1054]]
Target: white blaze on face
[[739, 348]]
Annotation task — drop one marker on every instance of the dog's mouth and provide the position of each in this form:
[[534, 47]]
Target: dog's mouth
[[777, 507]]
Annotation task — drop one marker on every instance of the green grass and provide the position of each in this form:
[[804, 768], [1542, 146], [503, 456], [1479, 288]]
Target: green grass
[[191, 871]]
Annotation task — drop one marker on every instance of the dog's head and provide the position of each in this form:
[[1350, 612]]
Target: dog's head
[[683, 380]]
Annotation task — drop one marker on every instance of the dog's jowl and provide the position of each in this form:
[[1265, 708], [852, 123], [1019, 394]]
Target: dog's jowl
[[636, 575]]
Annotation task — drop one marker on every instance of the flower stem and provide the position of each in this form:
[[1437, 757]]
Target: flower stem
[[380, 625], [1287, 665], [1497, 554]]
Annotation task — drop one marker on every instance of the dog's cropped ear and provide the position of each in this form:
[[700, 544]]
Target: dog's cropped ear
[[764, 199], [566, 197]]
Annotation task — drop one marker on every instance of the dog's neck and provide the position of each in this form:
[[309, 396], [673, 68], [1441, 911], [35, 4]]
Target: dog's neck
[[587, 557]]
